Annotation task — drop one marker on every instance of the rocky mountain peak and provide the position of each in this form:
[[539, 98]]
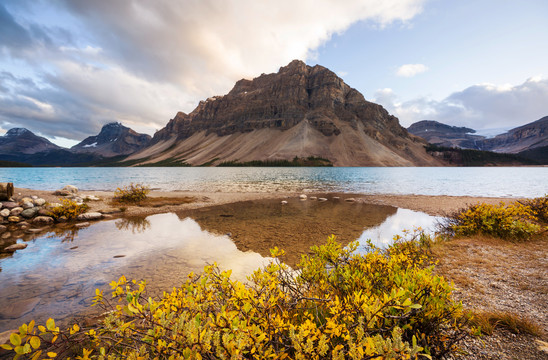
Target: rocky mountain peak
[[113, 139], [16, 132], [24, 141]]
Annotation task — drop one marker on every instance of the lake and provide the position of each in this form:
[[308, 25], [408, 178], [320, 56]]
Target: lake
[[455, 181]]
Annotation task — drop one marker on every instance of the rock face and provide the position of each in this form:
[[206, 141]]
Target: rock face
[[21, 140], [299, 111], [445, 135], [526, 137], [114, 139]]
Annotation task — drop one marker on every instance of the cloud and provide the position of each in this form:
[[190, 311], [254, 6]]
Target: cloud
[[410, 70], [141, 61], [482, 106]]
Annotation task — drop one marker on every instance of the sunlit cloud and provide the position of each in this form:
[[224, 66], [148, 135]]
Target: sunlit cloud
[[410, 70]]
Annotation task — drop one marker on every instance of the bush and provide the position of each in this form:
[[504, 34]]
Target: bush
[[515, 221], [69, 208], [337, 305], [132, 193], [539, 208]]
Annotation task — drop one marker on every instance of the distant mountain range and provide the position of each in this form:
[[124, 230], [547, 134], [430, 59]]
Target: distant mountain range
[[529, 141], [301, 115], [115, 141]]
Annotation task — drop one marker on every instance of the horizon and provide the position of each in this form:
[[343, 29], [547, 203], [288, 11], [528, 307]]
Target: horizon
[[70, 68]]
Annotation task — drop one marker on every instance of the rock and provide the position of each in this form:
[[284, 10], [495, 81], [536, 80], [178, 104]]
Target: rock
[[15, 247], [322, 199], [34, 197], [107, 216], [114, 139], [16, 309], [336, 197], [284, 202], [43, 220], [29, 213], [71, 188], [5, 336], [62, 219], [90, 216], [82, 225], [16, 211], [43, 212], [91, 197], [2, 228], [350, 199], [6, 235], [61, 192], [5, 212], [313, 198], [14, 219], [39, 202], [27, 205], [302, 197], [34, 231], [25, 199], [10, 205], [23, 223], [110, 211]]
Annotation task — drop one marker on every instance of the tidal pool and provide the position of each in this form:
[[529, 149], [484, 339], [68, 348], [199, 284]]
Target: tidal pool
[[57, 274]]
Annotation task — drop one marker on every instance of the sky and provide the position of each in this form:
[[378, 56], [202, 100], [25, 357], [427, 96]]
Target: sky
[[69, 67]]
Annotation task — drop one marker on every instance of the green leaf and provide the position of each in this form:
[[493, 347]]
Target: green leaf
[[15, 339], [416, 306]]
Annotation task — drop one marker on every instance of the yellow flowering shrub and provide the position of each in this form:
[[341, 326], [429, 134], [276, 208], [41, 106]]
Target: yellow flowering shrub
[[514, 221], [69, 209], [336, 305], [539, 207], [132, 193]]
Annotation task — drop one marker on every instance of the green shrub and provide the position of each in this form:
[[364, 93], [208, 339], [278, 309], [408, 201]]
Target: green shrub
[[337, 305], [69, 208], [515, 221], [132, 193]]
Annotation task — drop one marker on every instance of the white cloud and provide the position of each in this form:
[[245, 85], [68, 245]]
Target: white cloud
[[141, 61], [483, 106], [410, 70]]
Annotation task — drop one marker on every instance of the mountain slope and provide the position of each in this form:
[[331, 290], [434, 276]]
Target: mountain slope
[[527, 137], [114, 139], [446, 135], [300, 111], [23, 141]]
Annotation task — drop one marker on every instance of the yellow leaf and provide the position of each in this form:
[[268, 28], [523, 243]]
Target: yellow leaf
[[51, 354], [15, 339], [35, 342]]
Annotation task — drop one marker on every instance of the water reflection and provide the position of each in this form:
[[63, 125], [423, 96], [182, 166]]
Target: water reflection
[[55, 277], [381, 236]]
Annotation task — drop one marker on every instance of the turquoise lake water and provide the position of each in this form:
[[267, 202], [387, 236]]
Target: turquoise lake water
[[457, 181]]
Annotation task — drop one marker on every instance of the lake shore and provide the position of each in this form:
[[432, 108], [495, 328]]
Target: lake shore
[[171, 201]]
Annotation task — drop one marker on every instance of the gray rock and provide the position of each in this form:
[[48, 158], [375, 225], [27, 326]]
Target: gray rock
[[43, 220], [14, 219], [16, 211], [29, 213], [90, 216], [16, 309], [10, 204], [5, 212], [82, 225], [39, 202], [27, 205], [15, 247]]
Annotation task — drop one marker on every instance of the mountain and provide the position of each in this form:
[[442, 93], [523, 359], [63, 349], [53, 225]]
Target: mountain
[[23, 141], [301, 111], [445, 135], [114, 139], [527, 137]]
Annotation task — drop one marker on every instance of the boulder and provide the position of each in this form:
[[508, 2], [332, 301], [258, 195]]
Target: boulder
[[15, 247], [90, 216], [29, 213], [43, 220], [5, 212], [27, 205], [39, 202], [71, 189], [14, 219], [10, 205], [16, 211]]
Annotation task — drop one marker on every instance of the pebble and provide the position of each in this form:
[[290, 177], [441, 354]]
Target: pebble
[[284, 202], [14, 219], [16, 211], [10, 205], [5, 212], [322, 199], [43, 220], [313, 198], [14, 247], [302, 197], [29, 213], [3, 228], [39, 202], [82, 225]]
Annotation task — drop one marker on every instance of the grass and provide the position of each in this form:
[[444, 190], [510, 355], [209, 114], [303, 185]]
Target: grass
[[489, 321]]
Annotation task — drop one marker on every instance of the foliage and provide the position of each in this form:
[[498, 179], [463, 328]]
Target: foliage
[[514, 221], [338, 305], [132, 193], [69, 209], [539, 207], [470, 157]]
